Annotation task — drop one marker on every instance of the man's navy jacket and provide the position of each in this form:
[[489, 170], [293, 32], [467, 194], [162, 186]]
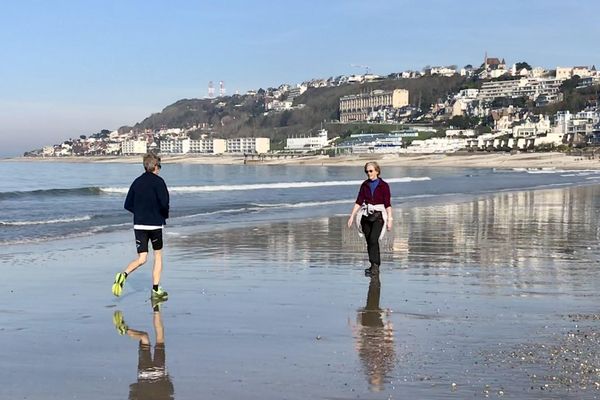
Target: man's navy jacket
[[148, 200]]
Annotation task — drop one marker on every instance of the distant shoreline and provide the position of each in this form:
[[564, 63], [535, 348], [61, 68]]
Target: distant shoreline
[[502, 160]]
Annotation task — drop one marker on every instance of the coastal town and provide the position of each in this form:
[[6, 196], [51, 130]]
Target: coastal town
[[493, 108]]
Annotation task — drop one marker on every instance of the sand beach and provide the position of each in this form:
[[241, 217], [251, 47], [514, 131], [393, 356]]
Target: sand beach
[[493, 296], [458, 160]]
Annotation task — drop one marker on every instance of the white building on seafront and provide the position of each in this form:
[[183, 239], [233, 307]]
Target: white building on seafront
[[137, 146], [249, 145], [207, 146], [303, 143]]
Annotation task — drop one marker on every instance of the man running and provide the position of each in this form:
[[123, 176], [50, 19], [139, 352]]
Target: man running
[[148, 200]]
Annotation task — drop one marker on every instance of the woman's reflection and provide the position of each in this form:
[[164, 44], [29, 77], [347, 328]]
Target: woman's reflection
[[374, 336], [153, 381]]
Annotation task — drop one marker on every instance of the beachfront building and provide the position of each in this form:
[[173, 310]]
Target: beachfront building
[[137, 146], [207, 146], [460, 132], [531, 88], [375, 142], [436, 145], [307, 143], [174, 146], [249, 145], [357, 107]]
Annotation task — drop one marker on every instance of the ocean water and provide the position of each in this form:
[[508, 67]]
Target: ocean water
[[45, 201]]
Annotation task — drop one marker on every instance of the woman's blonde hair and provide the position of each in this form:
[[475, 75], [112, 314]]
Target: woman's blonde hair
[[374, 165]]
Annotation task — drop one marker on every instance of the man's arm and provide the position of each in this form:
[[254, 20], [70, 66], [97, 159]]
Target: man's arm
[[129, 199], [163, 200]]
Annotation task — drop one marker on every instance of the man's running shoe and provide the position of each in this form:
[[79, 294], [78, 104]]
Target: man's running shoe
[[119, 323], [117, 287], [156, 302], [159, 294]]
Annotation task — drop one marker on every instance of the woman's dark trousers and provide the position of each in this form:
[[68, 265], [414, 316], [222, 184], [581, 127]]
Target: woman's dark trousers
[[371, 227]]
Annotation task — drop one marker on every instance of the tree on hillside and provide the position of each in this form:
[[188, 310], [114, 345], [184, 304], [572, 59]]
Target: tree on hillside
[[523, 64], [569, 85]]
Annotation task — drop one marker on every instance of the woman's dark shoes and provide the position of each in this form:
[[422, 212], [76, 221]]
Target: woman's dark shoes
[[373, 270]]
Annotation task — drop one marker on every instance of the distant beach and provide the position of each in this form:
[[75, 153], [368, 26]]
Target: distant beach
[[475, 160]]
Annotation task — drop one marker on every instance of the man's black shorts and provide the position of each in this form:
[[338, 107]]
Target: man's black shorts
[[142, 237]]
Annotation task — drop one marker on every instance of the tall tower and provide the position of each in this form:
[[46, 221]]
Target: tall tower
[[211, 90], [221, 88]]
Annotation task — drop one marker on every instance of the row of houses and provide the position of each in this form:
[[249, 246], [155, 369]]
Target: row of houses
[[243, 145]]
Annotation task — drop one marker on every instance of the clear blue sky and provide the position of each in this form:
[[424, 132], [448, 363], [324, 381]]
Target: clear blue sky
[[75, 67]]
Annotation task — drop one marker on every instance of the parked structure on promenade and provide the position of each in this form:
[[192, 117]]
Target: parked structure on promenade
[[357, 107]]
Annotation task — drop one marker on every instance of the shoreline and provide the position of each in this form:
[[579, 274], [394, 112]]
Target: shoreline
[[503, 160]]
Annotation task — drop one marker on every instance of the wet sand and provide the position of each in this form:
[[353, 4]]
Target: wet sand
[[494, 296]]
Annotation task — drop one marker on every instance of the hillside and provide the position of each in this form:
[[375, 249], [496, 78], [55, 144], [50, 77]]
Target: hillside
[[234, 116]]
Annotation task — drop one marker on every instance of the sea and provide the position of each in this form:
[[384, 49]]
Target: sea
[[48, 201]]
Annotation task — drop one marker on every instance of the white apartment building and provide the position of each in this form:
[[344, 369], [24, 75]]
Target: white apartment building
[[531, 128], [467, 94], [295, 92], [208, 146], [569, 72], [524, 87], [443, 71], [246, 145], [307, 142], [174, 146], [138, 146], [357, 107]]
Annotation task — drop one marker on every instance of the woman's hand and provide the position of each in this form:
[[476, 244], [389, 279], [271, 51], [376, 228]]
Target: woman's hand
[[350, 221]]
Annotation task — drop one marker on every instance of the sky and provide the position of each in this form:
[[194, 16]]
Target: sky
[[71, 68]]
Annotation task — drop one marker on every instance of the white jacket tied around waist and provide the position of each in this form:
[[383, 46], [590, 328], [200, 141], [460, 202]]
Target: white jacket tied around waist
[[367, 209]]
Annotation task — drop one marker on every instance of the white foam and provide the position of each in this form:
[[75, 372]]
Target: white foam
[[258, 186], [48, 221]]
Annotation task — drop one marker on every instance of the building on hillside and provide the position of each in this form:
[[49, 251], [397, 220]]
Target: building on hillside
[[531, 88], [249, 145], [295, 92], [137, 146], [306, 143], [581, 71], [443, 71], [357, 107]]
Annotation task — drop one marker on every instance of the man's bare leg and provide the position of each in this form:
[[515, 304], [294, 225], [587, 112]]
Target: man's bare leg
[[138, 262], [157, 267]]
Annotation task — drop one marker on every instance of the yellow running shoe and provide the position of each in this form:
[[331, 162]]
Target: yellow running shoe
[[117, 287], [119, 323], [159, 294]]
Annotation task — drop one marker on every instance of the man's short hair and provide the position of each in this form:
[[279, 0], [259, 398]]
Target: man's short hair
[[151, 160]]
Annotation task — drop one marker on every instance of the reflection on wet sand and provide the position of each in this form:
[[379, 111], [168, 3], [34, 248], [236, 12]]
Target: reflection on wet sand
[[153, 381], [547, 230], [374, 339]]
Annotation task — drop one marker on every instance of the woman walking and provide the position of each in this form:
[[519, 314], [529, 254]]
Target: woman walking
[[373, 211]]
